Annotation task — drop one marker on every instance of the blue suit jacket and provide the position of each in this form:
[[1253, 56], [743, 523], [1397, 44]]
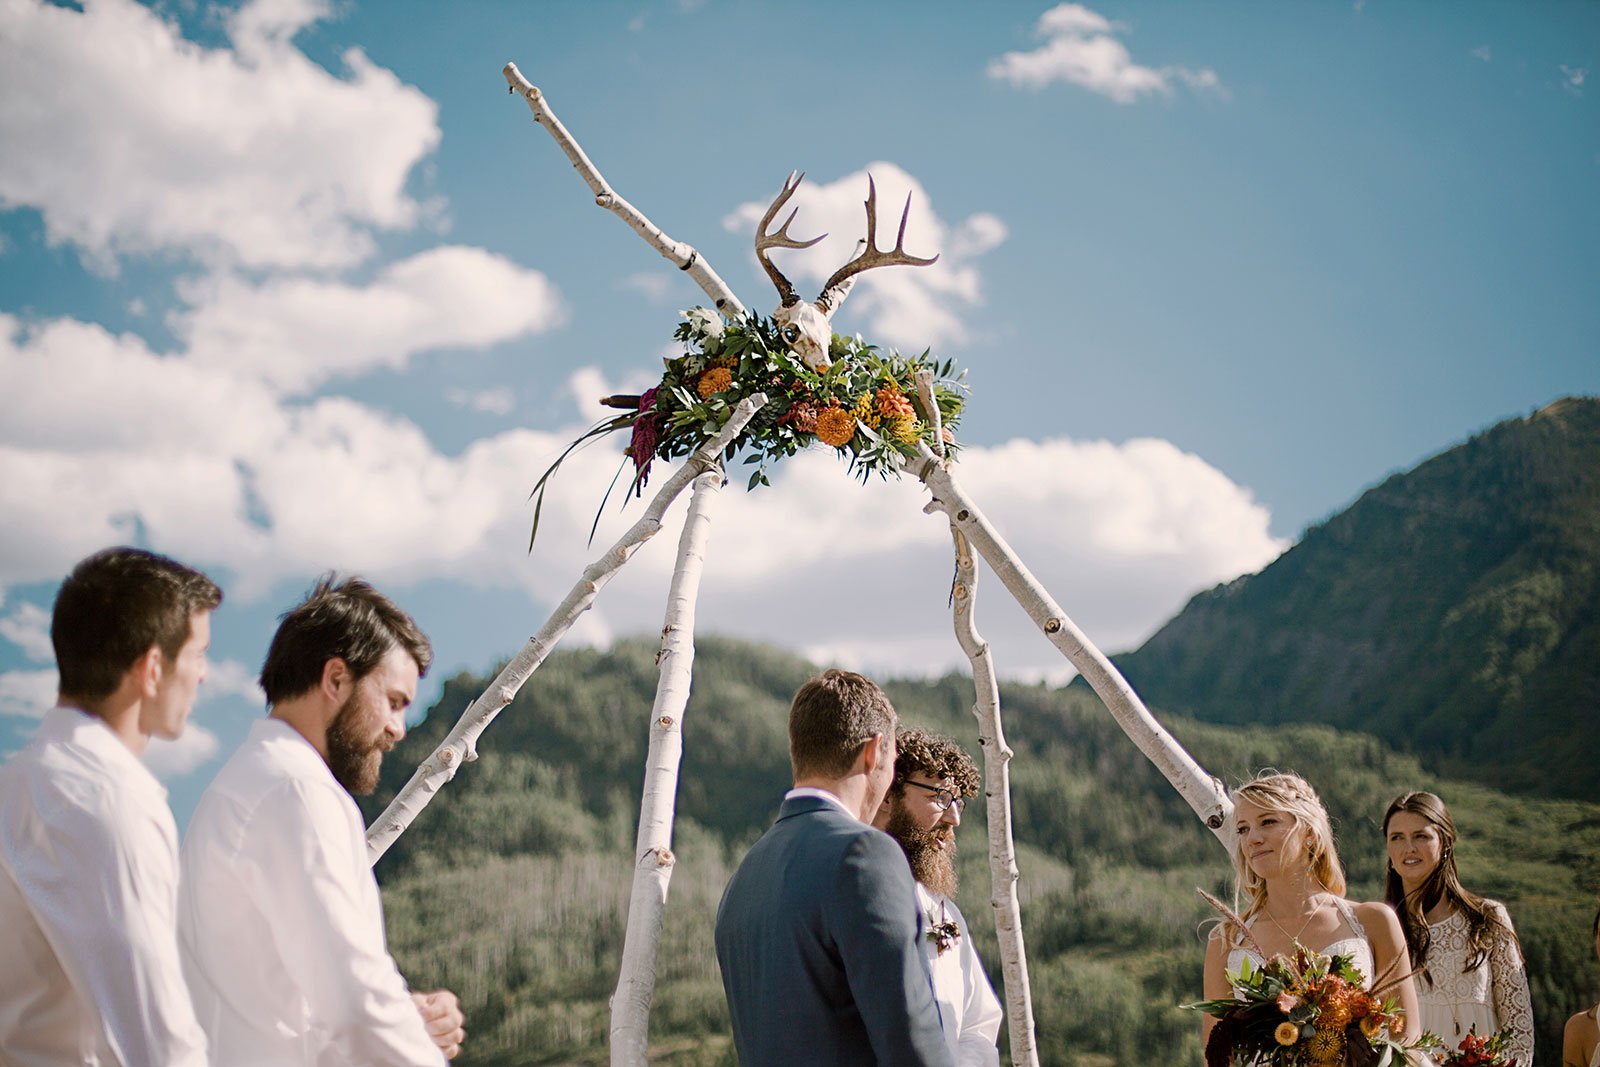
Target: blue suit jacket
[[817, 939]]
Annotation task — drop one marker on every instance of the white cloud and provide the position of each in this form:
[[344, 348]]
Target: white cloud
[[1572, 79], [28, 627], [295, 333], [496, 401], [657, 286], [901, 305], [27, 694], [173, 759], [252, 155], [229, 677], [1482, 52], [1081, 49]]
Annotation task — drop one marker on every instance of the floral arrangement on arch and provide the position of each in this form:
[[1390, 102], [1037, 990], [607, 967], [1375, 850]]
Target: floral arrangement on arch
[[863, 404]]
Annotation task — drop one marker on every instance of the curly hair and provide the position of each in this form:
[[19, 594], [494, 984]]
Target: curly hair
[[936, 756]]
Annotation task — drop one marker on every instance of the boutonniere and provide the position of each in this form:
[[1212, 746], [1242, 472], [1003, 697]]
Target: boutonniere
[[944, 935]]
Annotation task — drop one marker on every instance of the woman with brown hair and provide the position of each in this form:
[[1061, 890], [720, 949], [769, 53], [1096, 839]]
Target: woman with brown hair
[[1464, 952]]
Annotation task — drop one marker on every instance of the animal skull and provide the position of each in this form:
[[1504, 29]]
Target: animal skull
[[807, 332], [807, 328]]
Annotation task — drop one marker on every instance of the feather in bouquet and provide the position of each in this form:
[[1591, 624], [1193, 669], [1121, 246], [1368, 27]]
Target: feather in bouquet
[[1307, 1010]]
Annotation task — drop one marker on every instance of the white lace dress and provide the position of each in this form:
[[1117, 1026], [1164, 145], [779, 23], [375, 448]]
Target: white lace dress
[[1454, 1000], [1356, 947]]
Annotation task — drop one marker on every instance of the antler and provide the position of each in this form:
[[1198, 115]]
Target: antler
[[781, 239], [870, 256]]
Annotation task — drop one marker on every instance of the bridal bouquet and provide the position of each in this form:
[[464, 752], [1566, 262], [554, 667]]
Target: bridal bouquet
[[1475, 1051], [1307, 1010]]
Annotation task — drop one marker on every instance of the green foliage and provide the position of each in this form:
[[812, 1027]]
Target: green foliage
[[512, 886], [726, 362], [1452, 611]]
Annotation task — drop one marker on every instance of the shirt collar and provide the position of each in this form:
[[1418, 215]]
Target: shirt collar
[[820, 794], [94, 735]]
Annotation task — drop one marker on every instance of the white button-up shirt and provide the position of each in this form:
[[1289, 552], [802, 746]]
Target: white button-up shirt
[[89, 970], [969, 1011], [280, 922]]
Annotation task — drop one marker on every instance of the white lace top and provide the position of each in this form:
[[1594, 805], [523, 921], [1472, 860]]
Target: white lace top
[[1356, 947], [1494, 994]]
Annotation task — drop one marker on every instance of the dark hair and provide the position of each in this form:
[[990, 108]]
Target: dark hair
[[936, 756], [831, 718], [1443, 884], [350, 621], [114, 607]]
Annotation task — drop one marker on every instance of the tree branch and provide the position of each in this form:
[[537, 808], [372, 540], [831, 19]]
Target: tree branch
[[652, 872], [461, 743], [1204, 793], [682, 256]]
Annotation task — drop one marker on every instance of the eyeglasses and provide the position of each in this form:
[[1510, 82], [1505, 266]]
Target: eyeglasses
[[943, 799]]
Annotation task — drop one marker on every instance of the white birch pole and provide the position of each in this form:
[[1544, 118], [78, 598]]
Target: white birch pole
[[683, 256], [461, 743], [654, 861], [1003, 873], [1204, 793]]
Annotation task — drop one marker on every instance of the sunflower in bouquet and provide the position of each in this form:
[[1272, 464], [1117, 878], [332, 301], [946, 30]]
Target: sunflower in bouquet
[[1304, 1010]]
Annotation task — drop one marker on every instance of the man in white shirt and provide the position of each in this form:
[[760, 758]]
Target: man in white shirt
[[89, 969], [932, 779], [280, 922]]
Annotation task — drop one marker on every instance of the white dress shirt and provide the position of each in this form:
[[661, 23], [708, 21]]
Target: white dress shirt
[[969, 1011], [89, 970], [280, 922]]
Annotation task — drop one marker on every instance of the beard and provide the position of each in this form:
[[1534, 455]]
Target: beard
[[931, 865], [353, 758]]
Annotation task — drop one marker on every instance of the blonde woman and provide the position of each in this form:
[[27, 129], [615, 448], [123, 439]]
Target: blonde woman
[[1292, 889], [1464, 953]]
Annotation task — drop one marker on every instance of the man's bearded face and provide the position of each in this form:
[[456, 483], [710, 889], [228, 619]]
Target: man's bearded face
[[356, 744], [931, 848]]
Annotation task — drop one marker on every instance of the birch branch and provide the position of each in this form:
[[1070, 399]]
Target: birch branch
[[461, 743], [683, 256], [652, 873], [1003, 872], [1203, 793]]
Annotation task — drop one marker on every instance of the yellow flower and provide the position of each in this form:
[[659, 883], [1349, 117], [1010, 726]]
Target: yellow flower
[[714, 381], [865, 410], [1326, 1046], [1370, 1026], [903, 428], [1286, 1034], [836, 426]]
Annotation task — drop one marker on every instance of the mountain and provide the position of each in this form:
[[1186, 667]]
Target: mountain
[[511, 888], [1453, 611]]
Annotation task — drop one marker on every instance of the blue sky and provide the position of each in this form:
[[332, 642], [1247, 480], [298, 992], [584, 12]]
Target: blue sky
[[289, 285]]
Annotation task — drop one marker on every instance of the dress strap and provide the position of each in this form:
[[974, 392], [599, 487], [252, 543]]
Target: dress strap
[[1348, 913]]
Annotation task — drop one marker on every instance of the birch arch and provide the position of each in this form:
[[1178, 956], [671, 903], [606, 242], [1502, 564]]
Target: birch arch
[[806, 329]]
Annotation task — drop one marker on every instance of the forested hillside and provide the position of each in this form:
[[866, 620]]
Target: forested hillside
[[1453, 610], [512, 886]]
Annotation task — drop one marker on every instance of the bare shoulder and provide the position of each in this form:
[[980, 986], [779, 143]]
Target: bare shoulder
[[1375, 914], [1579, 1039]]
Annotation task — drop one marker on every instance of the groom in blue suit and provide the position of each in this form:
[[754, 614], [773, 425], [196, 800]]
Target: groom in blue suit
[[817, 932]]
